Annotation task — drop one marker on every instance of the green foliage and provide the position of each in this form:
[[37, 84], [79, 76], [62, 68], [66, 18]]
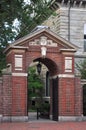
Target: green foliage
[[35, 84], [29, 15], [81, 66]]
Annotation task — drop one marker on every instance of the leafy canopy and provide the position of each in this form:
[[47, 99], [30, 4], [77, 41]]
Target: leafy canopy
[[81, 66], [35, 83], [27, 14]]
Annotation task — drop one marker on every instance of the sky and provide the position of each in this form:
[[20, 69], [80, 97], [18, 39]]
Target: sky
[[27, 1]]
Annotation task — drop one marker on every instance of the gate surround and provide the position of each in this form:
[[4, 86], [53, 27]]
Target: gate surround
[[58, 55]]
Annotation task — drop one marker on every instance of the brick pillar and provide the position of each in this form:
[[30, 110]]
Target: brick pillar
[[66, 97], [1, 103], [7, 95], [78, 97], [19, 96]]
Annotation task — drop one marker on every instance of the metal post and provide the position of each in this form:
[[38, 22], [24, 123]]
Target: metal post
[[37, 113]]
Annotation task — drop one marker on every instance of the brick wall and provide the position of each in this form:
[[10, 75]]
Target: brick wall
[[7, 95], [66, 96], [19, 96], [78, 96], [1, 94]]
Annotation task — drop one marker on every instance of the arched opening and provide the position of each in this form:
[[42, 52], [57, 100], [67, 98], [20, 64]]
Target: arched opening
[[44, 98], [84, 100]]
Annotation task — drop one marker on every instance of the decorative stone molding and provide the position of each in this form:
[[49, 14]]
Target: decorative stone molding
[[19, 74], [66, 76], [43, 41]]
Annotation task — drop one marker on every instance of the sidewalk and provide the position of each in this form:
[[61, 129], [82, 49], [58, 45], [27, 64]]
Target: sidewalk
[[41, 125]]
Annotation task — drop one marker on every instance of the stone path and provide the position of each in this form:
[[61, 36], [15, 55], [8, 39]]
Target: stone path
[[44, 126]]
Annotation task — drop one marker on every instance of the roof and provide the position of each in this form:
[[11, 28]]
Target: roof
[[37, 32]]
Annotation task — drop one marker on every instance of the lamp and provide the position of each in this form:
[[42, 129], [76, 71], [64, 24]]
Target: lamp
[[39, 68]]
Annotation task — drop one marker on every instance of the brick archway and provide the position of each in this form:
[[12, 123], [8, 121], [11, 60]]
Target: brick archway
[[58, 55]]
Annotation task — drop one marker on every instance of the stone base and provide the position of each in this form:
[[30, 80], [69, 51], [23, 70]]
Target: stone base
[[51, 117], [25, 118], [70, 118], [0, 118], [14, 119]]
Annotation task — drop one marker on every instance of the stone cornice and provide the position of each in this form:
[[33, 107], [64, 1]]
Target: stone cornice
[[68, 50], [15, 47], [55, 4], [48, 32]]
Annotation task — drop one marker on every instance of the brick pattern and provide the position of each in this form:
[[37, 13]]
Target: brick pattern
[[78, 97], [66, 96], [1, 94], [19, 96], [7, 95]]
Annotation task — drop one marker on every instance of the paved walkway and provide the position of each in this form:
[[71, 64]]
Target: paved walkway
[[41, 125]]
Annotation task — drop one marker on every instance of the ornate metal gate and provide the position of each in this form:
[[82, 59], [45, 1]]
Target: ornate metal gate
[[55, 99]]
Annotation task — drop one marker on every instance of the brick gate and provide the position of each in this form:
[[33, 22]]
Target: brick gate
[[57, 55]]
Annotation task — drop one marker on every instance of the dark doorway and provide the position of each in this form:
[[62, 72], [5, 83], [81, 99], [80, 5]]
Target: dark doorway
[[55, 99], [84, 100]]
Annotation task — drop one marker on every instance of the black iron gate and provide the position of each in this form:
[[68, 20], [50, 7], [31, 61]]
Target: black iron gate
[[55, 99]]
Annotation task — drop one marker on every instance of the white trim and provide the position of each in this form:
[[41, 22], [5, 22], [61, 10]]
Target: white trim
[[66, 75], [18, 68], [63, 76], [20, 56], [14, 118], [19, 74], [68, 50], [70, 118]]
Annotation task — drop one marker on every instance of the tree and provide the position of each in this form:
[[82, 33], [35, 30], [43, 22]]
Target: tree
[[81, 67], [35, 86], [28, 16], [9, 11]]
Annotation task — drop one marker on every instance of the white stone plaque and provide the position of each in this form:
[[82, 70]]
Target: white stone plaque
[[18, 62], [68, 64]]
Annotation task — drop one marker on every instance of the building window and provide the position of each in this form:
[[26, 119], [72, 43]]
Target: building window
[[85, 38]]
